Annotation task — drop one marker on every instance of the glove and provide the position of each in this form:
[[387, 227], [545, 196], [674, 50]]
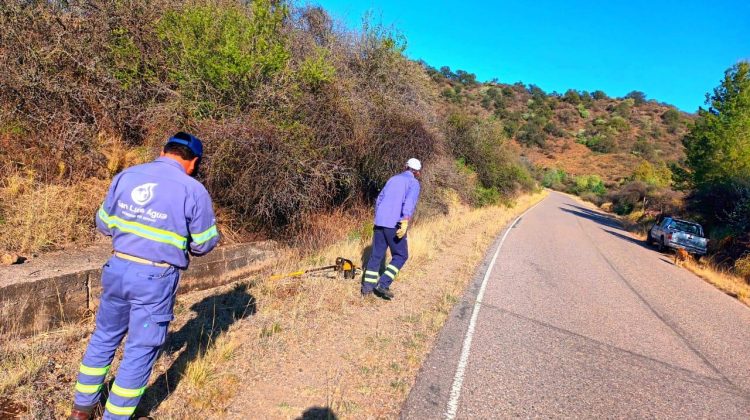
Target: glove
[[402, 226]]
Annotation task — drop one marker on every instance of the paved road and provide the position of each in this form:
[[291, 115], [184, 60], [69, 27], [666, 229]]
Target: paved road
[[578, 320]]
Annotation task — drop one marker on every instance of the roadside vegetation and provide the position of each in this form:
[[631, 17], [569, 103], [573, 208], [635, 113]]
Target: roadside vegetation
[[300, 117]]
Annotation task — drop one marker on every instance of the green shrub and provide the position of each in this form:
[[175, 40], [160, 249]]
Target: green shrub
[[486, 196], [656, 175], [618, 123], [624, 108], [572, 97], [644, 148], [316, 70], [532, 133], [126, 59], [588, 184], [217, 52], [482, 145], [553, 130], [599, 95], [600, 143], [554, 178], [638, 97], [582, 111]]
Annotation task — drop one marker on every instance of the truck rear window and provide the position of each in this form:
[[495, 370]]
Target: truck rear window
[[690, 228]]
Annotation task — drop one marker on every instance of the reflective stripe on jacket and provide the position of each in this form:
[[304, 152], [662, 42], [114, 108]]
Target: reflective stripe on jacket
[[158, 212]]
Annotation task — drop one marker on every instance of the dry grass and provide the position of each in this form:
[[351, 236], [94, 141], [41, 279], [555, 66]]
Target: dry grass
[[19, 365], [34, 370], [724, 280], [207, 379], [36, 217]]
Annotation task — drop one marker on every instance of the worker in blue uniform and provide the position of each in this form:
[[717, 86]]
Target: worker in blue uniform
[[394, 209], [157, 215]]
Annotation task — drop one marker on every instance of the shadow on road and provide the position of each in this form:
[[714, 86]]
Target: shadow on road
[[628, 238], [318, 413], [600, 218], [214, 316]]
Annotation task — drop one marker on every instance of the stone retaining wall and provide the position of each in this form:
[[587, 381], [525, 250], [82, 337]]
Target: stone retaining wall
[[37, 304]]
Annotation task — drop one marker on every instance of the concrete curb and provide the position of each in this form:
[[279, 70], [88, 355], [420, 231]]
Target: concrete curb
[[39, 304]]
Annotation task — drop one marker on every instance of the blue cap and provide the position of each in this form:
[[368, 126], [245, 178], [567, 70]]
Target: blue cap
[[193, 143]]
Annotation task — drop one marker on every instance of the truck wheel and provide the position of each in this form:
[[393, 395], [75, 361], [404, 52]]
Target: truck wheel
[[662, 245], [649, 241]]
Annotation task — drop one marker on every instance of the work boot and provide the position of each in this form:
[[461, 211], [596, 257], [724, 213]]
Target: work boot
[[80, 413], [384, 293]]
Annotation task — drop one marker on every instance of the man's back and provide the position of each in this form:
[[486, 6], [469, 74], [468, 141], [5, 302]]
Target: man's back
[[397, 199], [158, 212]]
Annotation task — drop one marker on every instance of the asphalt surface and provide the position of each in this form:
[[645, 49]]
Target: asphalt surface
[[580, 320]]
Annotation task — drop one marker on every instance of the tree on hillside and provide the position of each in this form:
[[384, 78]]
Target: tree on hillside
[[718, 145], [599, 95], [657, 175], [671, 118], [637, 96], [466, 78], [718, 152], [572, 97]]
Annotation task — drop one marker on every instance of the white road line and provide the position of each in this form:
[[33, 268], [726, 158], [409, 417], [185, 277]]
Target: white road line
[[458, 380]]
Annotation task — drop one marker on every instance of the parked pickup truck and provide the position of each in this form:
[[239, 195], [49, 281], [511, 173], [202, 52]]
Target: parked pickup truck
[[668, 232]]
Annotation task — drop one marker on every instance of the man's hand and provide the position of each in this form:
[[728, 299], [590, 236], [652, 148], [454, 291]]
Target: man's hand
[[402, 226]]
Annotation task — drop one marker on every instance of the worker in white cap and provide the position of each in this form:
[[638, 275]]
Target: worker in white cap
[[394, 209]]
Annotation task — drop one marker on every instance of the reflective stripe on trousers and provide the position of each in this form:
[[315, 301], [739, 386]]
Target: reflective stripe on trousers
[[137, 299], [382, 240]]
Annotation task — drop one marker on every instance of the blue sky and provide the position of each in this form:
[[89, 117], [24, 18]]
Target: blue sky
[[674, 51]]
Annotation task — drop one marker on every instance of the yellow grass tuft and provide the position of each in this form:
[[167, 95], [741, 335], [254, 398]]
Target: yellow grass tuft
[[207, 380], [35, 217], [722, 279], [19, 366], [742, 267]]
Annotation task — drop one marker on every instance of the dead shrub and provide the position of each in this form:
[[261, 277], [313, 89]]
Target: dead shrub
[[35, 216]]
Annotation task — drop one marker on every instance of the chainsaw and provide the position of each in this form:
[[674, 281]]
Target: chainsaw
[[342, 266]]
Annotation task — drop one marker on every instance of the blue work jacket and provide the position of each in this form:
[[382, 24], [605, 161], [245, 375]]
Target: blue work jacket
[[397, 200], [158, 212]]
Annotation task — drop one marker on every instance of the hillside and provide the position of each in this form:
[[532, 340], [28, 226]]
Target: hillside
[[581, 133], [306, 120]]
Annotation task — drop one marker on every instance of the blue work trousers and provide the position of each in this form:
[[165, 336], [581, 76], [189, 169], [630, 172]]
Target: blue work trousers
[[382, 239], [137, 299]]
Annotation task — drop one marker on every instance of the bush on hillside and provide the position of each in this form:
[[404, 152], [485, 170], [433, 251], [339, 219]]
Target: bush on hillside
[[218, 52], [554, 179], [638, 97], [588, 184], [641, 196], [644, 149], [599, 95], [572, 97], [482, 145], [582, 111], [532, 133], [671, 118], [658, 175]]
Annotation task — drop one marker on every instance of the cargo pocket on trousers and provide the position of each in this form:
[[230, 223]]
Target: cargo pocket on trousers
[[155, 331]]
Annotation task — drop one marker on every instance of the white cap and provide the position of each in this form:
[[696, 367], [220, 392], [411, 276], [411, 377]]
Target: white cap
[[414, 164]]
